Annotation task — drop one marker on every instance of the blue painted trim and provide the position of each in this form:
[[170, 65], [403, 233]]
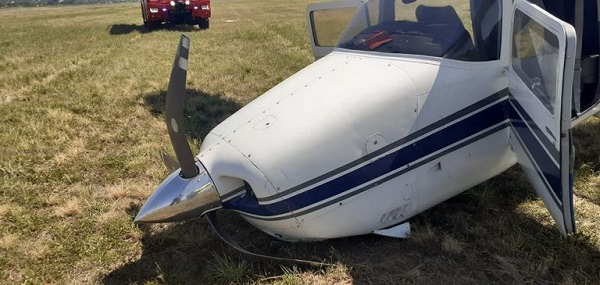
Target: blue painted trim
[[548, 172], [461, 113], [233, 193], [524, 117], [387, 178], [480, 120]]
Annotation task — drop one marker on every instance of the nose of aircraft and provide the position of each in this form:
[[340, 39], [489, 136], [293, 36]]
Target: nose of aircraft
[[179, 198], [188, 192]]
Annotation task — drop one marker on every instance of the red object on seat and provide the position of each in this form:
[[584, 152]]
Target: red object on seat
[[377, 39]]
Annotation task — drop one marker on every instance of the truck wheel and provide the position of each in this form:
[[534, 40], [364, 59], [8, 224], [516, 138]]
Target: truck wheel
[[144, 17], [203, 24], [151, 25]]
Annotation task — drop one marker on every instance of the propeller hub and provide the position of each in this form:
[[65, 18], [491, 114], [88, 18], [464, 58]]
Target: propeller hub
[[179, 198]]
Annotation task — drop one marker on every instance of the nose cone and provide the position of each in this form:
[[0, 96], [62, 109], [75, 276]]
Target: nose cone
[[180, 199]]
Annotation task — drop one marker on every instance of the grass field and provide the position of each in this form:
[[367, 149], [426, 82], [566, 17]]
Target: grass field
[[81, 98]]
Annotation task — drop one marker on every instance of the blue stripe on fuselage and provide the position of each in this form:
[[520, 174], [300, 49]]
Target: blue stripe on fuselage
[[479, 120], [482, 117], [410, 137]]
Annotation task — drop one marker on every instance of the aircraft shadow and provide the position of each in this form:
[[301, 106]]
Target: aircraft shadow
[[482, 236], [123, 29], [203, 111]]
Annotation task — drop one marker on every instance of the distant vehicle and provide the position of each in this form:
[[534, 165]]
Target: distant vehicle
[[177, 12]]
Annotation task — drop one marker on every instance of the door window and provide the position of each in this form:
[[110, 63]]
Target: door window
[[535, 58]]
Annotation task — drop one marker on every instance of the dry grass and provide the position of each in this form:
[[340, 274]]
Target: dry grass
[[81, 95]]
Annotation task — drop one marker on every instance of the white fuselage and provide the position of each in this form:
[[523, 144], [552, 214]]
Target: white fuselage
[[358, 142], [372, 133]]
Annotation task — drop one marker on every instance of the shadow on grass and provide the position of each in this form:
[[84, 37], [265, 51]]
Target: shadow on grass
[[203, 111], [478, 237], [485, 235], [123, 29], [587, 159]]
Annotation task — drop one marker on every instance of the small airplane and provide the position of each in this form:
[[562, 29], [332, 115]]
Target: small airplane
[[417, 102]]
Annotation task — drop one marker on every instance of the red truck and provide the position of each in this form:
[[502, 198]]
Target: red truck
[[177, 12]]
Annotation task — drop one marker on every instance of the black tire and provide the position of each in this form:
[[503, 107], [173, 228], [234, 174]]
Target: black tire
[[151, 25], [203, 24], [143, 15], [148, 24]]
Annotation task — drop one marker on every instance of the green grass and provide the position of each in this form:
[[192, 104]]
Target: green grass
[[81, 98]]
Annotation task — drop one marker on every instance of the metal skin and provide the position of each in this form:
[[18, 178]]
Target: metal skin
[[179, 198], [330, 131], [355, 117], [359, 141]]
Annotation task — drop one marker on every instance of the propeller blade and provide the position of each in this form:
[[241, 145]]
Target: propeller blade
[[179, 198], [170, 163], [174, 110]]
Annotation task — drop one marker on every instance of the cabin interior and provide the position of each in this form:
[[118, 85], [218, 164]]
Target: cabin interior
[[583, 15], [444, 29]]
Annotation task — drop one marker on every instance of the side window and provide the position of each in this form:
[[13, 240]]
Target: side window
[[329, 24], [486, 27], [535, 58]]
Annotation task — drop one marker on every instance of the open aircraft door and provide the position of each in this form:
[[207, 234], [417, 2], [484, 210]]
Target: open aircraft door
[[540, 75], [326, 23]]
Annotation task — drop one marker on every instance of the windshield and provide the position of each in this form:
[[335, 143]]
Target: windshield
[[462, 29]]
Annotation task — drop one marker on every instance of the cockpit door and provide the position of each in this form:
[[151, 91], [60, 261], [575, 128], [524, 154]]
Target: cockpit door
[[540, 77], [327, 22]]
